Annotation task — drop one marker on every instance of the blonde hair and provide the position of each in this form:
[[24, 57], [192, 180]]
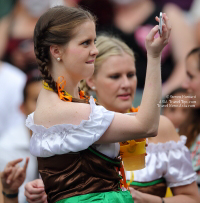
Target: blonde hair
[[107, 46]]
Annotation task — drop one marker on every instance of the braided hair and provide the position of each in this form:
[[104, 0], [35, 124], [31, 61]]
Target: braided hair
[[56, 26]]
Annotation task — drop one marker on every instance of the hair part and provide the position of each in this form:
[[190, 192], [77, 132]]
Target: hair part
[[107, 46], [56, 27]]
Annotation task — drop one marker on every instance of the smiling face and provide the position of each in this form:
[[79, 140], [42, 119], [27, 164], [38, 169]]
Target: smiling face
[[79, 54], [116, 83], [192, 82]]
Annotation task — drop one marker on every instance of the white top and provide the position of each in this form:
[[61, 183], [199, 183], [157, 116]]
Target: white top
[[170, 160], [65, 138], [12, 81], [14, 144]]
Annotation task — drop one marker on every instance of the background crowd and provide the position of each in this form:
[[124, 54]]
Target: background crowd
[[131, 21]]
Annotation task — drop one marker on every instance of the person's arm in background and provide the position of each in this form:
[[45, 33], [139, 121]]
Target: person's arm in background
[[182, 41], [12, 178], [182, 194]]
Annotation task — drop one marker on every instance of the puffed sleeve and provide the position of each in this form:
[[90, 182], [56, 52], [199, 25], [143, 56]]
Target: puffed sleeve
[[179, 166], [170, 160], [65, 138]]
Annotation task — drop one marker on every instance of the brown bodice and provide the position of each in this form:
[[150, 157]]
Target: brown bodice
[[157, 189], [73, 174]]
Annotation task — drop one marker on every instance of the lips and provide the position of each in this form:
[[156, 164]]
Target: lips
[[90, 62], [124, 96]]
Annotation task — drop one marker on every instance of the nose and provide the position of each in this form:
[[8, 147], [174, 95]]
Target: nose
[[186, 82], [126, 82], [94, 51]]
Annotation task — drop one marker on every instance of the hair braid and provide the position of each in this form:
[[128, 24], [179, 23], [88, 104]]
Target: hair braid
[[43, 59]]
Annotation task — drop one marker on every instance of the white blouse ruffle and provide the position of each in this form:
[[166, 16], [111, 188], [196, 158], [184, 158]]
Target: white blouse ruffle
[[65, 138], [170, 160]]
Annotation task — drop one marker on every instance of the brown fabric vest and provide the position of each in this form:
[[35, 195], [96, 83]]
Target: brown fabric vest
[[72, 174], [157, 190]]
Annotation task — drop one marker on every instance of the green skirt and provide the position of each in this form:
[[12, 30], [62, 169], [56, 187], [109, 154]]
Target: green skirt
[[103, 197]]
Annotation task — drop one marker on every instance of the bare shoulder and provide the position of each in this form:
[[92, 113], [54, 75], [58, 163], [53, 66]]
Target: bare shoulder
[[51, 110], [166, 132]]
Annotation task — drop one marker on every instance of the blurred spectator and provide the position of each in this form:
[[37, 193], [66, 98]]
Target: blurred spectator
[[175, 107], [104, 18], [16, 30], [183, 4], [12, 82], [16, 42], [14, 143], [12, 178], [191, 127]]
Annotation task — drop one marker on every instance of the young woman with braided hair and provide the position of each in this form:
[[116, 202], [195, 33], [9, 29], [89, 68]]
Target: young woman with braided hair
[[76, 142]]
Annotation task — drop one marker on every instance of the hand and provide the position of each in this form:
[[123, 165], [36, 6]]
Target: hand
[[137, 196], [34, 192], [13, 176], [155, 46]]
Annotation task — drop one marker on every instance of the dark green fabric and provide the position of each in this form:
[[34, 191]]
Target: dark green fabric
[[103, 197], [103, 157], [6, 7], [141, 184]]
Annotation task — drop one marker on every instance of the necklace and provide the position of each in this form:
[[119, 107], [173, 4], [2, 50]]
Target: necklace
[[132, 109], [62, 94]]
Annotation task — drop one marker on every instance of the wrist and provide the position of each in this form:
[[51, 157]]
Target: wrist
[[154, 56], [10, 195], [7, 191]]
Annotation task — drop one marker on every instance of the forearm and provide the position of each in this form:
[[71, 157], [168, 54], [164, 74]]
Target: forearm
[[175, 199], [8, 200], [149, 112]]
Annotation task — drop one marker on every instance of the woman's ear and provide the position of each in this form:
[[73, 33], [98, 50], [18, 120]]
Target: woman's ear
[[56, 52], [90, 82]]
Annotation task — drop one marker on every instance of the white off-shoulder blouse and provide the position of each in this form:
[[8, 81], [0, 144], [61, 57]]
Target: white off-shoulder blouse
[[65, 138], [170, 160]]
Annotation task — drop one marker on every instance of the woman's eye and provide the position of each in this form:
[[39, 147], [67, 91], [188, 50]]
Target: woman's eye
[[191, 77], [114, 76], [130, 75], [86, 43]]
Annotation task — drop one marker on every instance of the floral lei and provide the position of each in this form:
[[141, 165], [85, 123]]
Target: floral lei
[[62, 94]]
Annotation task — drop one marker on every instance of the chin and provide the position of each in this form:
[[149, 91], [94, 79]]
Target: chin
[[87, 74], [123, 108]]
